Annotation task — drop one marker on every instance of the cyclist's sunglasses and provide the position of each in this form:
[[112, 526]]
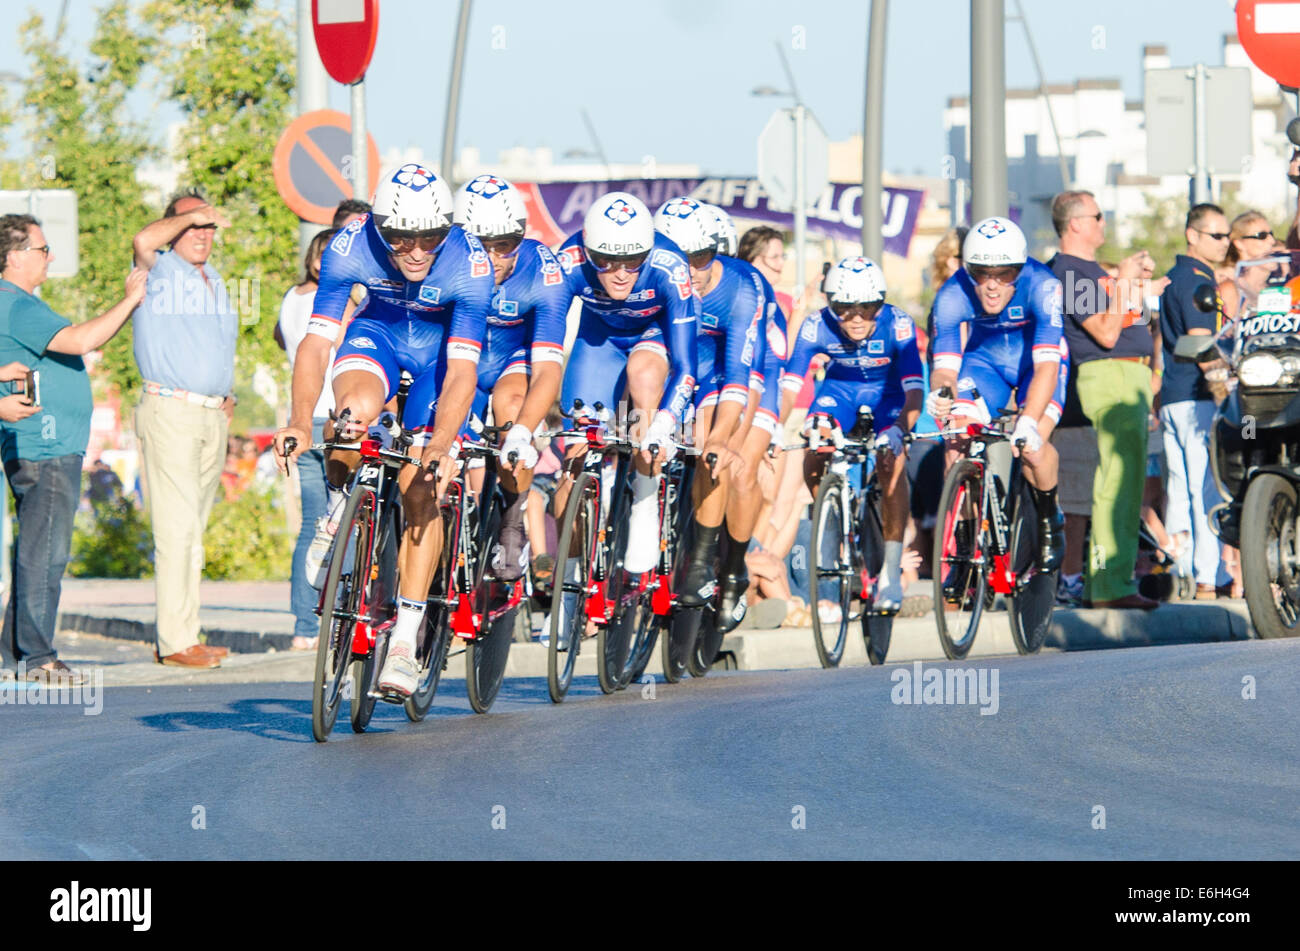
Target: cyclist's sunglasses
[[403, 241], [1003, 275], [846, 310], [506, 246], [699, 260], [604, 263]]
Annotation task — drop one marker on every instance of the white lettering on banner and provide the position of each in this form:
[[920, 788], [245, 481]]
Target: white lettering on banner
[[733, 188], [895, 216], [850, 206], [578, 202], [708, 191]]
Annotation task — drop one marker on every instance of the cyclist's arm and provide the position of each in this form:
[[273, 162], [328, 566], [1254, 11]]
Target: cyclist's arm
[[310, 368], [679, 321], [806, 349], [951, 310], [546, 356], [743, 333], [454, 402], [910, 373], [1041, 388], [1048, 322]]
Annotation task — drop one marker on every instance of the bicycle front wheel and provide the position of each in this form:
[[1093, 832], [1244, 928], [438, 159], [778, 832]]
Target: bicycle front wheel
[[342, 609], [960, 572], [568, 620], [830, 572], [1034, 596], [381, 606], [485, 660], [876, 628], [435, 632]]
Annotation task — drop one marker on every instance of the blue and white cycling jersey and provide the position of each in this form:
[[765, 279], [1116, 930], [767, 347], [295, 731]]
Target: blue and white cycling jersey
[[877, 372], [731, 334], [1002, 349], [525, 320], [774, 356], [660, 314], [404, 325]]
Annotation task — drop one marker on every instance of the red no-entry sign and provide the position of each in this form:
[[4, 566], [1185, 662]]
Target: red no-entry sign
[[1269, 31], [345, 36]]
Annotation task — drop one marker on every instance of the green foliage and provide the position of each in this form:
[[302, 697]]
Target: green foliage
[[112, 540], [248, 540], [81, 138]]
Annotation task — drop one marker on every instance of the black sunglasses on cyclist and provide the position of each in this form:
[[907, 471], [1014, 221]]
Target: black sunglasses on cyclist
[[506, 246], [865, 311], [699, 260], [1006, 274], [403, 241], [604, 263]]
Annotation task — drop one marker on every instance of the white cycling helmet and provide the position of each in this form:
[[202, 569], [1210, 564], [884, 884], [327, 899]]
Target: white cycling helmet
[[994, 242], [618, 224], [490, 207], [688, 224], [728, 236], [411, 197], [855, 281]]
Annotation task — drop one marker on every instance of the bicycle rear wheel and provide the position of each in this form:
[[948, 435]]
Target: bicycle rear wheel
[[342, 605], [615, 640], [435, 632], [830, 569], [876, 628], [1034, 596], [958, 560], [568, 620]]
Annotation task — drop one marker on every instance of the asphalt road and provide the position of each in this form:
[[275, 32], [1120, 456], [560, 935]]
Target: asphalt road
[[724, 767]]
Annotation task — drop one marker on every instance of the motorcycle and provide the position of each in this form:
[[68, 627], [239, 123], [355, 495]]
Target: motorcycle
[[1255, 439]]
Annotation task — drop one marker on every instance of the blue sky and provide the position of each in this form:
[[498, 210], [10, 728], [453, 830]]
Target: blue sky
[[671, 78]]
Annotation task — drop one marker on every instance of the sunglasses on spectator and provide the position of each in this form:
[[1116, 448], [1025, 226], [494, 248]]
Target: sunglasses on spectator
[[844, 311], [699, 260], [403, 241], [1216, 235], [1003, 275], [1260, 236], [604, 263], [503, 247], [1098, 216]]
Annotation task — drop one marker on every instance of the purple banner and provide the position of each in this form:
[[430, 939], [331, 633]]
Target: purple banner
[[837, 212]]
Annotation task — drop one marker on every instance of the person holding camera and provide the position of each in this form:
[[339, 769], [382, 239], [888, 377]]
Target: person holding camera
[[43, 438]]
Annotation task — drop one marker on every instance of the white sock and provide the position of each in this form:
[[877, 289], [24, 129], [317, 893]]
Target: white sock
[[410, 615], [643, 530], [334, 499], [891, 571]]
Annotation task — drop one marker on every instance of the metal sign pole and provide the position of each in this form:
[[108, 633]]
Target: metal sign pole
[[1200, 184], [800, 202], [873, 133], [988, 115], [360, 172], [313, 94]]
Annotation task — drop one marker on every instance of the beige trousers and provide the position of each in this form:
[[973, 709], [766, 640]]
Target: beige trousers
[[183, 451]]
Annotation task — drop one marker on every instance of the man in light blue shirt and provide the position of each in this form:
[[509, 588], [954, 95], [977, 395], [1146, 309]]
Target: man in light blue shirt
[[185, 347]]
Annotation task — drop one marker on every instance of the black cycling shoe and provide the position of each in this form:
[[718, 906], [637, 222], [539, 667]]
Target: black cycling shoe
[[699, 584], [1051, 540], [955, 585], [510, 554], [732, 605]]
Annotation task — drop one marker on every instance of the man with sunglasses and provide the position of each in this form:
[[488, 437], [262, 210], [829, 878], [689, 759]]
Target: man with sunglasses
[[636, 331], [522, 362], [1011, 306], [1186, 405], [872, 360], [429, 285], [730, 342]]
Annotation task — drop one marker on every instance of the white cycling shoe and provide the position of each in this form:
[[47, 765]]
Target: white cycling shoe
[[401, 673], [318, 552], [643, 537], [889, 597]]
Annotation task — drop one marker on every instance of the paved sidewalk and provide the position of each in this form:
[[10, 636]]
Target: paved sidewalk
[[111, 624]]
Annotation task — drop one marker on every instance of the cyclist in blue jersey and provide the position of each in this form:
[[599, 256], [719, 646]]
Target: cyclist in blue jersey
[[1011, 307], [729, 348], [429, 285], [522, 362], [636, 331], [872, 360]]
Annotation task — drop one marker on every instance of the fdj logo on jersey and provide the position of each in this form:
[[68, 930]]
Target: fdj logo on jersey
[[487, 185], [620, 212], [414, 176]]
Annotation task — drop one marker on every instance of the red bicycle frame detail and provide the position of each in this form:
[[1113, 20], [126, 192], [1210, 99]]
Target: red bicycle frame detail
[[661, 602], [464, 622], [1001, 578], [596, 603]]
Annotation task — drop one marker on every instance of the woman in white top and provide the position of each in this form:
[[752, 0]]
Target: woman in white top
[[295, 311]]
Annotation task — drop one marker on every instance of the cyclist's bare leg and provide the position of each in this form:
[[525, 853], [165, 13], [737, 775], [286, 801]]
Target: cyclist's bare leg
[[422, 541], [891, 474], [363, 394], [708, 492], [1041, 466], [647, 371]]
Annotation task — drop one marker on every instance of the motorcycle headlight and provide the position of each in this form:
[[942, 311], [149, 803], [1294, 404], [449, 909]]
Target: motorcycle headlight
[[1260, 369], [1291, 364]]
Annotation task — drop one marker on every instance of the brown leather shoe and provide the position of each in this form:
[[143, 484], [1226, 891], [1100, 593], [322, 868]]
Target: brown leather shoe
[[215, 650], [1131, 601], [194, 656], [56, 673], [1206, 592]]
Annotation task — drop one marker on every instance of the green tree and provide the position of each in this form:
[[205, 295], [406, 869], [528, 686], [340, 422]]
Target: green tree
[[229, 67], [82, 138]]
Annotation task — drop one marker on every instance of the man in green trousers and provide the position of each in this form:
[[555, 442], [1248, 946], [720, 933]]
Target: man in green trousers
[[1111, 352]]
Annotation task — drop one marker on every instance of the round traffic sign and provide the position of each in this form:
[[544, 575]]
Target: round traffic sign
[[312, 164], [345, 32], [1269, 31]]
